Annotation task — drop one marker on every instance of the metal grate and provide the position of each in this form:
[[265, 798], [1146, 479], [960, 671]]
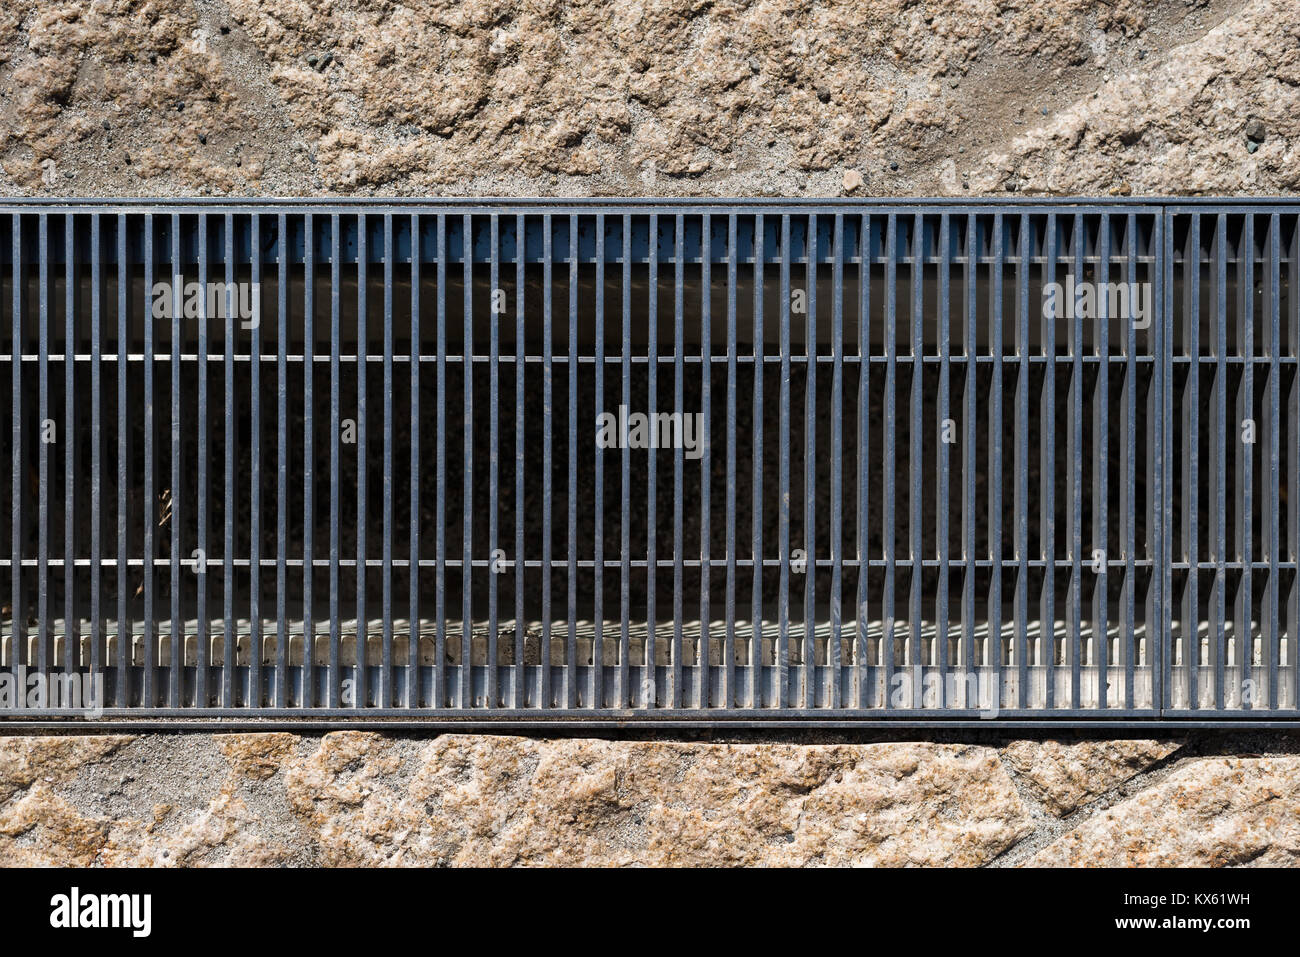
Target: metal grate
[[635, 462], [1234, 518]]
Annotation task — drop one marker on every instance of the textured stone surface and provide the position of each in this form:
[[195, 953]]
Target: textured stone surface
[[353, 798], [256, 755], [494, 800], [95, 811], [1065, 775], [1178, 126], [663, 97], [1208, 813], [113, 96], [26, 761]]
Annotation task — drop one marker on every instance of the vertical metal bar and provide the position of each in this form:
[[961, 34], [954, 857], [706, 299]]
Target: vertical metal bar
[[625, 464], [943, 502], [386, 650], [233, 322], [17, 609], [1218, 443], [1020, 505], [124, 629], [519, 692], [255, 469], [1128, 484], [916, 402], [70, 629], [970, 466], [783, 505], [336, 636], [756, 680], [1047, 476], [362, 694], [43, 637], [887, 456], [1074, 469], [862, 693], [729, 697], [440, 691], [177, 661], [1244, 476], [72, 640], [993, 643], [282, 461], [148, 697], [494, 439], [706, 459], [1101, 469], [1191, 456], [1293, 463], [308, 693], [413, 615], [201, 637], [650, 684], [1272, 466], [679, 347], [809, 655], [548, 402], [597, 692], [70, 636], [1162, 514], [465, 698], [571, 639], [837, 464]]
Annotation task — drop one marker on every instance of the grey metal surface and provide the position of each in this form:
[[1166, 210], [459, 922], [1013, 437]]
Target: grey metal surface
[[1036, 519]]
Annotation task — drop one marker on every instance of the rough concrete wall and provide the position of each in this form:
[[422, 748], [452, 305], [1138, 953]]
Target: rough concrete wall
[[679, 97], [672, 97], [354, 798]]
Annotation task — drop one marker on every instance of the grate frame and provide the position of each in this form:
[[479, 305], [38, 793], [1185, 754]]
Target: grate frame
[[737, 693]]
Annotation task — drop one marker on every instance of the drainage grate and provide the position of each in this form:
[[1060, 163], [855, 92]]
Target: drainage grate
[[763, 462], [1234, 410]]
